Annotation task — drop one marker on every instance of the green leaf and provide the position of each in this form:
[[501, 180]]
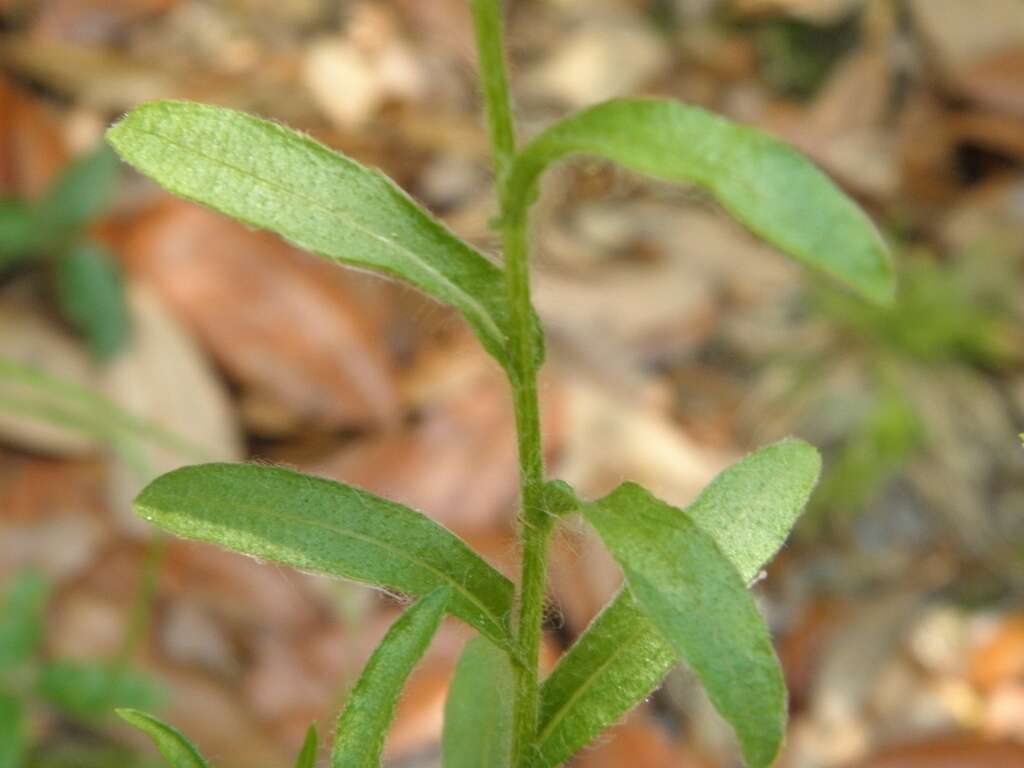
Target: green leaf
[[178, 751], [749, 510], [274, 178], [614, 665], [316, 524], [370, 708], [699, 602], [19, 232], [478, 712], [88, 691], [769, 187], [80, 193], [750, 507], [307, 755], [12, 732], [91, 297], [21, 619]]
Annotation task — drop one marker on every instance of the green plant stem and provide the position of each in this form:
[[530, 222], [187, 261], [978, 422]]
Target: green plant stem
[[494, 84], [140, 617], [535, 525]]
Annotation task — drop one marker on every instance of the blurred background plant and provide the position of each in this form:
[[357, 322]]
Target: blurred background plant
[[80, 694], [50, 234]]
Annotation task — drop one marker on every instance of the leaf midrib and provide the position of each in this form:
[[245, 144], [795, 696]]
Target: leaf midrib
[[400, 553], [561, 712], [478, 309]]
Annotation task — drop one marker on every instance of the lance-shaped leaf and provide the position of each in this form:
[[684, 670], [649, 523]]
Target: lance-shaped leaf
[[370, 708], [274, 178], [615, 664], [178, 751], [307, 755], [478, 712], [699, 603], [320, 525], [749, 510], [765, 184]]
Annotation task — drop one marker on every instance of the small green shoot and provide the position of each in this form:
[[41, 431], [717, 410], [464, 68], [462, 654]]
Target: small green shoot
[[686, 572], [52, 232]]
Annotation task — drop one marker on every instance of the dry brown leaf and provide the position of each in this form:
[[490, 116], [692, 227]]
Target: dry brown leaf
[[93, 21], [1000, 133], [217, 720], [51, 514], [29, 337], [350, 76], [1000, 658], [163, 378], [959, 34], [995, 81], [638, 743], [457, 462], [949, 753], [607, 54], [293, 330], [238, 589], [31, 149], [801, 648]]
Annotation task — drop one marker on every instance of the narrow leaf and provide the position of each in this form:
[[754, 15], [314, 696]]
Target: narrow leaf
[[91, 297], [620, 659], [12, 732], [87, 691], [307, 755], [21, 619], [614, 665], [178, 751], [699, 603], [80, 193], [478, 712], [19, 232], [370, 708], [274, 178], [768, 186], [321, 525]]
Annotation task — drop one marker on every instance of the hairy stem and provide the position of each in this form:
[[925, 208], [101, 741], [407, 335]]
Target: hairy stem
[[535, 526]]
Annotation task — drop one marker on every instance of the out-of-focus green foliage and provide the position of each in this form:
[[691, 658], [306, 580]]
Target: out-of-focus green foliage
[[83, 692], [795, 57], [51, 231], [175, 748], [91, 298], [952, 312], [962, 314]]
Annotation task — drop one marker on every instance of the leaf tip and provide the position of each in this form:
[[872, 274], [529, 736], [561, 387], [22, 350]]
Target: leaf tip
[[879, 287], [117, 134], [129, 715]]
